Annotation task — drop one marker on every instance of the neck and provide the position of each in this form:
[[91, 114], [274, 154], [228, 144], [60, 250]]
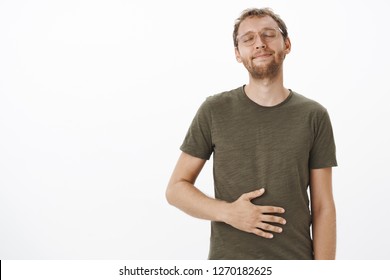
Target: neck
[[267, 92]]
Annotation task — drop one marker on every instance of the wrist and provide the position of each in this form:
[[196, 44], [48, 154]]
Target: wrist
[[223, 212]]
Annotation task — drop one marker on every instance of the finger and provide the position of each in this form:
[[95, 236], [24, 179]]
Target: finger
[[269, 227], [251, 195], [273, 219], [261, 233], [271, 209]]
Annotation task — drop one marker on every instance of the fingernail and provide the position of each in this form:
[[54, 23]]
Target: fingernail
[[271, 236]]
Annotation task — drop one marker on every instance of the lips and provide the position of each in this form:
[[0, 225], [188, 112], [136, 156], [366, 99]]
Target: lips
[[261, 55]]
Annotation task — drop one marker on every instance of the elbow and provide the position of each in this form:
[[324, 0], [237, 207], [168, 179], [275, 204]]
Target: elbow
[[328, 212], [169, 194], [174, 193], [325, 208]]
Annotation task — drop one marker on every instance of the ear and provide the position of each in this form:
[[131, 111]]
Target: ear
[[287, 44], [238, 56]]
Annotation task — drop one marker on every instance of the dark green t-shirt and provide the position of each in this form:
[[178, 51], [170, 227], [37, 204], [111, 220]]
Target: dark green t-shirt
[[271, 147]]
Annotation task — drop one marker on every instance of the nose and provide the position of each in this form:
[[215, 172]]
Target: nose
[[259, 42]]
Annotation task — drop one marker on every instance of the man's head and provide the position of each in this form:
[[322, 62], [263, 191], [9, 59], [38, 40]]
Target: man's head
[[258, 13], [261, 42]]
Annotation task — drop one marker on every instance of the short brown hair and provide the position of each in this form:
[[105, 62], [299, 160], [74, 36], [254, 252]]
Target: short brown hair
[[254, 12]]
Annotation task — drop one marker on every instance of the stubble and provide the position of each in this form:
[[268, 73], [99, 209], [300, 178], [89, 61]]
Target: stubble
[[264, 71]]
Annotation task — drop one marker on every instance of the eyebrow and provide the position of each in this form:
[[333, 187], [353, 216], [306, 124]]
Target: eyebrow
[[251, 31]]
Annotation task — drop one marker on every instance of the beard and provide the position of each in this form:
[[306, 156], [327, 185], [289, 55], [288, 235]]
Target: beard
[[264, 71]]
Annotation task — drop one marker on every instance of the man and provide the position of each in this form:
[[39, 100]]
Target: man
[[269, 144]]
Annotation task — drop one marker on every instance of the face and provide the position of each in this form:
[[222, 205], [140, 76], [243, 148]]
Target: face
[[261, 47]]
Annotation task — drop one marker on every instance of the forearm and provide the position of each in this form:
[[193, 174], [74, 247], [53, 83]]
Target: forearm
[[241, 214], [192, 201], [324, 233]]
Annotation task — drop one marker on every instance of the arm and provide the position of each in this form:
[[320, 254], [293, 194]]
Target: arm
[[241, 214], [182, 193], [324, 214]]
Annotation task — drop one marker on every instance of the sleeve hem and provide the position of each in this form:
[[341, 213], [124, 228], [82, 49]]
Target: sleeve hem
[[195, 154], [334, 164]]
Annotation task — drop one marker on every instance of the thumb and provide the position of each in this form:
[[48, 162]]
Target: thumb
[[251, 195]]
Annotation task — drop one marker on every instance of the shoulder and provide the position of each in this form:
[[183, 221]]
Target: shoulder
[[312, 111], [308, 105], [219, 104], [223, 98]]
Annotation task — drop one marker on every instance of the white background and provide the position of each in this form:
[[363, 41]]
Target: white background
[[96, 97]]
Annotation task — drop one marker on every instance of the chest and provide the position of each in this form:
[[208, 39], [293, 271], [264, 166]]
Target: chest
[[275, 134]]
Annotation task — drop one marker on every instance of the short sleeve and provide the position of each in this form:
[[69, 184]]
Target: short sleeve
[[198, 140], [323, 151]]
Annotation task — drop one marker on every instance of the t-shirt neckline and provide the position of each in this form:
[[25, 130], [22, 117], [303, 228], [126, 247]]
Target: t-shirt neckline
[[243, 93]]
